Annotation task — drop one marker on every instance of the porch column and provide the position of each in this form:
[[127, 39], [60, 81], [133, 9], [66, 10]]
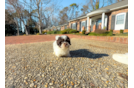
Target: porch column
[[103, 20], [90, 24], [87, 23]]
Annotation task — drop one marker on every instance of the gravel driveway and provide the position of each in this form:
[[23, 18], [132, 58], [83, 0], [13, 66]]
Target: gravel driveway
[[90, 66]]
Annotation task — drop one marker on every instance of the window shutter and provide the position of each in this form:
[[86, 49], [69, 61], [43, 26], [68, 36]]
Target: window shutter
[[80, 26], [76, 25], [126, 22], [86, 25], [71, 25], [113, 22]]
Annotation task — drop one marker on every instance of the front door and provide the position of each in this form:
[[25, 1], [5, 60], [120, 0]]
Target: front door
[[97, 23], [93, 23]]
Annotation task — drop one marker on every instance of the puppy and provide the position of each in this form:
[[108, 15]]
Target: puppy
[[61, 46]]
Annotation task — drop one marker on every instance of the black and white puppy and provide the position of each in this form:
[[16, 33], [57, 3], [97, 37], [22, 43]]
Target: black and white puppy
[[61, 46]]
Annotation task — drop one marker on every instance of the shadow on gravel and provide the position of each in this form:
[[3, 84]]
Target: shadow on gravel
[[86, 53]]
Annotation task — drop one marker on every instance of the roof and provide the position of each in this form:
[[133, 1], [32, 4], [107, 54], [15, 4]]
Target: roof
[[109, 8]]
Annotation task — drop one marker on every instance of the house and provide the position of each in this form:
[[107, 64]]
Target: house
[[113, 17], [60, 27]]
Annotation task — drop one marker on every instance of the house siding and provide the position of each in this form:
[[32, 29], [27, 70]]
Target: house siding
[[78, 22], [114, 13]]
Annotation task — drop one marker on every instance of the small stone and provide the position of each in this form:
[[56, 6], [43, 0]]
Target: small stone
[[107, 81], [105, 85], [34, 80], [61, 85], [68, 82], [107, 68], [32, 84], [26, 83], [46, 85], [50, 84], [72, 83], [25, 78], [35, 85], [103, 79], [91, 84], [42, 75]]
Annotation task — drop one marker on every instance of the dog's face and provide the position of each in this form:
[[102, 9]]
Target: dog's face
[[63, 42]]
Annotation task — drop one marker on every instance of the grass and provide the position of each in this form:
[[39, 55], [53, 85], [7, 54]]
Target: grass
[[122, 34]]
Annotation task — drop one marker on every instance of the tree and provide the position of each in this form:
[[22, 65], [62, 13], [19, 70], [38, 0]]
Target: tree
[[16, 7], [85, 9], [45, 9], [73, 8], [10, 25], [91, 5]]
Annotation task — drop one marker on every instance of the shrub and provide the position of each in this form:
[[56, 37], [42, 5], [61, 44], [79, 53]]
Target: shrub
[[121, 31], [66, 31], [83, 32], [100, 34], [99, 31], [73, 31], [111, 30], [44, 32], [38, 34], [54, 32]]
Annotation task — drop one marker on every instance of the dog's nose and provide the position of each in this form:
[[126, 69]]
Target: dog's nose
[[65, 44]]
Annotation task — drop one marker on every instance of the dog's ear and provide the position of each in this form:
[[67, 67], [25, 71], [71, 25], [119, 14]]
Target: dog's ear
[[68, 40], [57, 37]]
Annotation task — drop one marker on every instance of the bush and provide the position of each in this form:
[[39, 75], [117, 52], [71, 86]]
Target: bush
[[111, 30], [73, 31], [38, 34], [66, 31], [99, 31], [54, 32], [121, 31], [100, 34], [43, 32], [83, 32]]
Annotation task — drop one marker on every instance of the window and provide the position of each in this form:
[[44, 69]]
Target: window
[[74, 26], [65, 27], [83, 23], [120, 19]]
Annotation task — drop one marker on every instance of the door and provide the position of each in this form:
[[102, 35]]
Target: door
[[92, 24], [120, 21]]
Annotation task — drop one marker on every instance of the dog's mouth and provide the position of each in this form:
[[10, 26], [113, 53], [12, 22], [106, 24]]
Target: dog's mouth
[[64, 45]]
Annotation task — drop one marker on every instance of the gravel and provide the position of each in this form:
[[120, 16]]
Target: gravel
[[90, 65]]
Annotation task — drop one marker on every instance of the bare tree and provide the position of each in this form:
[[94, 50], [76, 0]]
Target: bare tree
[[91, 5], [73, 8], [19, 12], [45, 9]]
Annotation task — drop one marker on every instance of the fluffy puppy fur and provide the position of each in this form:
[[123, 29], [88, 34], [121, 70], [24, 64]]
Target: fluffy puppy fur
[[61, 46]]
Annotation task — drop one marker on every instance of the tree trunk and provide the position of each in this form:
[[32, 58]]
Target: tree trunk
[[39, 23], [18, 31], [25, 28]]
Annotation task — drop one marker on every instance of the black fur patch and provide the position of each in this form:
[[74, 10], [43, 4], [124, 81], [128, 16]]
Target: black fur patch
[[61, 40]]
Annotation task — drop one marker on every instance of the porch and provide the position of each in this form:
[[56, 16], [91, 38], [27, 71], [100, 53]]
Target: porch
[[97, 22]]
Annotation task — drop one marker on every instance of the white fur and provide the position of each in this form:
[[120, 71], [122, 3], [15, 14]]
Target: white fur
[[64, 37], [58, 51], [57, 37]]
